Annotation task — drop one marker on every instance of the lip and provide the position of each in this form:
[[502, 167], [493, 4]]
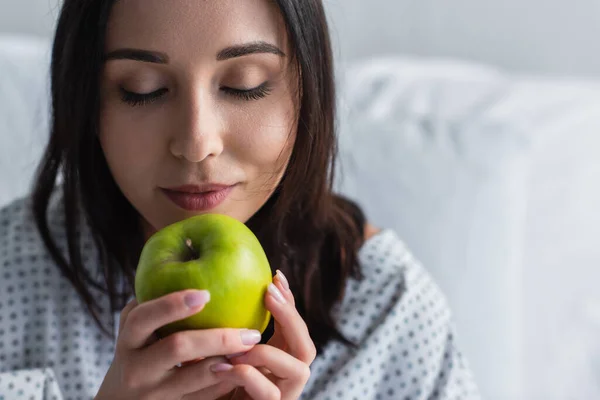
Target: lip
[[207, 187], [198, 198]]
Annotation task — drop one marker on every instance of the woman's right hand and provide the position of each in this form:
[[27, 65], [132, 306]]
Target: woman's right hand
[[146, 368]]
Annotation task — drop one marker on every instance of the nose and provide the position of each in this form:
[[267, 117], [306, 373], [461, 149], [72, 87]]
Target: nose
[[199, 131]]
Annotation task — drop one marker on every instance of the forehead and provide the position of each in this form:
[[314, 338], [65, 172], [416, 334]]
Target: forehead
[[193, 28]]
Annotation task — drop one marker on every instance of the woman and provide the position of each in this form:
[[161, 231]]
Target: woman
[[167, 109]]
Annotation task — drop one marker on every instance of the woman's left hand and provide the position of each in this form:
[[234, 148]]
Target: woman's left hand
[[280, 368]]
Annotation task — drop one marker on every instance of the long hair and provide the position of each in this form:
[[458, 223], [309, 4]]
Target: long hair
[[307, 231]]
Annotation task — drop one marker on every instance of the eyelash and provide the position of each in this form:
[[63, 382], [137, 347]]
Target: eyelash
[[256, 93], [137, 99]]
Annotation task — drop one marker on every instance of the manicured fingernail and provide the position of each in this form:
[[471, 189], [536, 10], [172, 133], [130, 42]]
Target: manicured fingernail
[[276, 294], [221, 367], [250, 337], [230, 356], [197, 298], [283, 280]]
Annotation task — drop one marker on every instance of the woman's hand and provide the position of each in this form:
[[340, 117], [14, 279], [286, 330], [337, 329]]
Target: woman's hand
[[279, 369], [147, 368]]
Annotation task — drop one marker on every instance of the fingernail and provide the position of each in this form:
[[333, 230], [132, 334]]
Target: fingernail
[[221, 367], [276, 294], [250, 337], [230, 356], [197, 298], [283, 280]]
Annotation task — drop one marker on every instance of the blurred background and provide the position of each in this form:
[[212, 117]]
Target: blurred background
[[541, 36], [471, 127]]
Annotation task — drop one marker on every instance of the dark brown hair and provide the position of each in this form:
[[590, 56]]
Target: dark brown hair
[[307, 231]]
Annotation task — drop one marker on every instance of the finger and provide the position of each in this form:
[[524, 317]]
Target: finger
[[291, 326], [192, 378], [256, 385], [278, 362], [147, 317], [125, 312], [283, 284], [278, 340], [211, 393], [184, 346]]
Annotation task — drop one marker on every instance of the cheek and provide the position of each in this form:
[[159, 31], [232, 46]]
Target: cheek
[[131, 148], [264, 138]]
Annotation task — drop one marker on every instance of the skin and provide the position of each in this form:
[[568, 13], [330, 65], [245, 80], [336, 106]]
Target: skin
[[198, 132], [370, 231]]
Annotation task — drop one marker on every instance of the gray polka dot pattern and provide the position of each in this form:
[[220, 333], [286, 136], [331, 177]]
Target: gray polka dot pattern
[[51, 349], [402, 322], [32, 384]]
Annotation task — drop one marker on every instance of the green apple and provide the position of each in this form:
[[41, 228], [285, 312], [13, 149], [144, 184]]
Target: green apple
[[211, 252]]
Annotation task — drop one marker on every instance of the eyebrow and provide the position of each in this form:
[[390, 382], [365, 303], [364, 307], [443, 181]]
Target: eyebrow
[[225, 54], [137, 55], [247, 49]]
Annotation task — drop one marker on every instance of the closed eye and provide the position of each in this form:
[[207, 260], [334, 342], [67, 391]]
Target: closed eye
[[256, 93], [141, 99]]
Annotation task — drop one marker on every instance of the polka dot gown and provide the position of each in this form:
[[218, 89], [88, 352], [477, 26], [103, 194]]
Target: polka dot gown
[[51, 349], [402, 324]]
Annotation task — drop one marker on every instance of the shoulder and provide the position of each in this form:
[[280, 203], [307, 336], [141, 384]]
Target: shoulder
[[22, 249], [14, 212], [17, 228], [384, 250], [40, 307], [394, 286], [402, 325], [23, 256], [370, 231]]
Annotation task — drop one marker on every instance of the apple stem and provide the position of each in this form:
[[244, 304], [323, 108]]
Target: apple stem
[[194, 255]]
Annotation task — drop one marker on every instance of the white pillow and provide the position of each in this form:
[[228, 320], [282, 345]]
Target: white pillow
[[494, 182], [562, 255], [24, 111], [423, 150]]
